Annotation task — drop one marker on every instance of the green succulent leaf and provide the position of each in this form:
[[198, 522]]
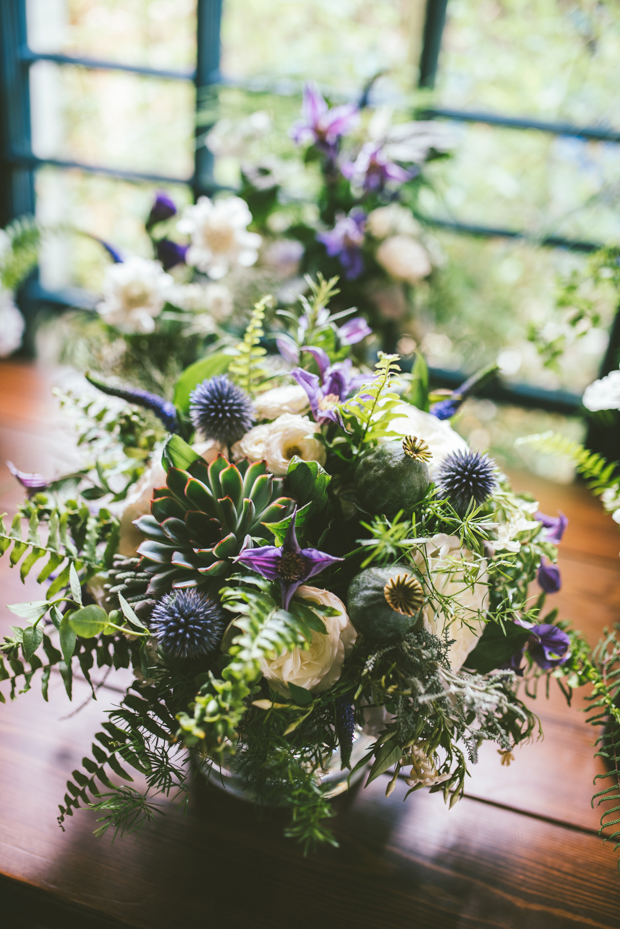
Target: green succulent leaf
[[178, 454], [307, 482]]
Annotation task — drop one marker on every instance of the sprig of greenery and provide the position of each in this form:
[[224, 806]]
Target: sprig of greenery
[[247, 367], [597, 470], [22, 254], [367, 415]]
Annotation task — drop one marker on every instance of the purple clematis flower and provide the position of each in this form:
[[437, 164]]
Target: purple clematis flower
[[373, 170], [163, 208], [290, 564], [345, 242], [32, 482], [320, 125], [288, 349], [171, 253], [354, 330], [548, 645], [331, 386], [549, 577], [555, 526]]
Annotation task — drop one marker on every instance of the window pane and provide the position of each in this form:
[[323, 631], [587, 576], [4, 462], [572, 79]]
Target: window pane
[[111, 210], [484, 300], [550, 59], [160, 33], [111, 118], [340, 44], [528, 180]]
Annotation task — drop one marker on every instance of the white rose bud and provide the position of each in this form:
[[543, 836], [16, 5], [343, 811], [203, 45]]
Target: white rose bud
[[289, 399], [281, 440], [318, 667], [404, 258]]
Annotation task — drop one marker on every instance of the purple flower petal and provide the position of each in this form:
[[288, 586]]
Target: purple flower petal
[[287, 349], [32, 482], [548, 646], [354, 330], [320, 356], [163, 208], [317, 561], [549, 577], [345, 242], [555, 526], [171, 253], [263, 560], [311, 384]]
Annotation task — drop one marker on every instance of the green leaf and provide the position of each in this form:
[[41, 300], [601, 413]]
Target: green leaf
[[307, 482], [417, 393], [32, 611], [496, 647], [300, 695], [195, 374], [129, 614], [280, 529], [89, 621], [178, 454], [76, 587], [387, 755], [68, 638], [32, 638]]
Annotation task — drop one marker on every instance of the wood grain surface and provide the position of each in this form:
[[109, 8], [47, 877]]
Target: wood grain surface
[[521, 850]]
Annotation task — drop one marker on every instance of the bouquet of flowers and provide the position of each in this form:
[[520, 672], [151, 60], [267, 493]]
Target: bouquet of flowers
[[311, 575]]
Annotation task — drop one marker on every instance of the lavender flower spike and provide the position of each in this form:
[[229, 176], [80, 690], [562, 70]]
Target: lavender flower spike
[[549, 577], [446, 409], [33, 483], [345, 242], [290, 564], [555, 526], [354, 330], [163, 409]]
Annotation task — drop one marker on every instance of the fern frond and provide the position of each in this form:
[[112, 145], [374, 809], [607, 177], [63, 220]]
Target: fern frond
[[23, 252], [247, 368], [596, 469], [369, 412]]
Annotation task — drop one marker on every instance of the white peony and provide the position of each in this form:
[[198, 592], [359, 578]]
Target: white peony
[[445, 573], [289, 399], [281, 440], [219, 235], [404, 258], [603, 394], [134, 293], [438, 434], [138, 502], [212, 298], [392, 220], [318, 667], [11, 324]]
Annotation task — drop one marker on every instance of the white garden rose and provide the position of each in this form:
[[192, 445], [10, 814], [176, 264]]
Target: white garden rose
[[11, 324], [281, 440], [445, 572], [391, 220], [318, 667], [219, 235], [138, 502], [289, 399], [134, 293], [404, 258], [438, 434]]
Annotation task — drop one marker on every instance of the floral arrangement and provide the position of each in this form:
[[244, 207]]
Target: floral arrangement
[[336, 194], [311, 575]]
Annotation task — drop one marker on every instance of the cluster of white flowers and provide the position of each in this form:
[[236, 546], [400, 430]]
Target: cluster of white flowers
[[134, 293], [219, 235], [603, 394]]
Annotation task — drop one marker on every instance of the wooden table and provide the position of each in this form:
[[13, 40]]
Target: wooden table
[[520, 850]]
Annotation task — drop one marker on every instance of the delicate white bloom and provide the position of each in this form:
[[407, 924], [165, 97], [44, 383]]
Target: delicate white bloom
[[230, 138], [610, 498], [289, 399], [404, 258], [448, 571], [392, 220], [138, 502], [215, 299], [423, 770], [281, 440], [11, 324], [134, 293], [616, 516], [219, 235], [603, 394], [318, 667], [507, 532], [284, 256], [438, 434]]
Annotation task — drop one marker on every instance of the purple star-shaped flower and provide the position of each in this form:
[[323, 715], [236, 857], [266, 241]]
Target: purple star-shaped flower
[[331, 386], [345, 242], [290, 564], [373, 169], [549, 577], [320, 125], [354, 330], [555, 526], [548, 645]]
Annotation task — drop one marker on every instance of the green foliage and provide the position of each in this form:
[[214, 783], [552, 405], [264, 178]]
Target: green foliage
[[417, 387], [247, 367], [597, 470], [367, 415], [23, 252]]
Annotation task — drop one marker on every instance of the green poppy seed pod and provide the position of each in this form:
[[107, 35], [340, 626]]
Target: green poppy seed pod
[[389, 478], [384, 603]]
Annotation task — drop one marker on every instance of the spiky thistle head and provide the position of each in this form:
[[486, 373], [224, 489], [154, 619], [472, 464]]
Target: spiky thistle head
[[188, 624], [404, 594], [466, 476], [416, 448], [221, 410]]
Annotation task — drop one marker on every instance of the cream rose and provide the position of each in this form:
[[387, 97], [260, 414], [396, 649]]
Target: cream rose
[[404, 258], [290, 399], [387, 220], [138, 502], [444, 572], [318, 667], [281, 440], [438, 434]]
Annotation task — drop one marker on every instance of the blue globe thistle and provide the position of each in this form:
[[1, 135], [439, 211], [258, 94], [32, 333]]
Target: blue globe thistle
[[221, 410], [188, 624], [464, 476]]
